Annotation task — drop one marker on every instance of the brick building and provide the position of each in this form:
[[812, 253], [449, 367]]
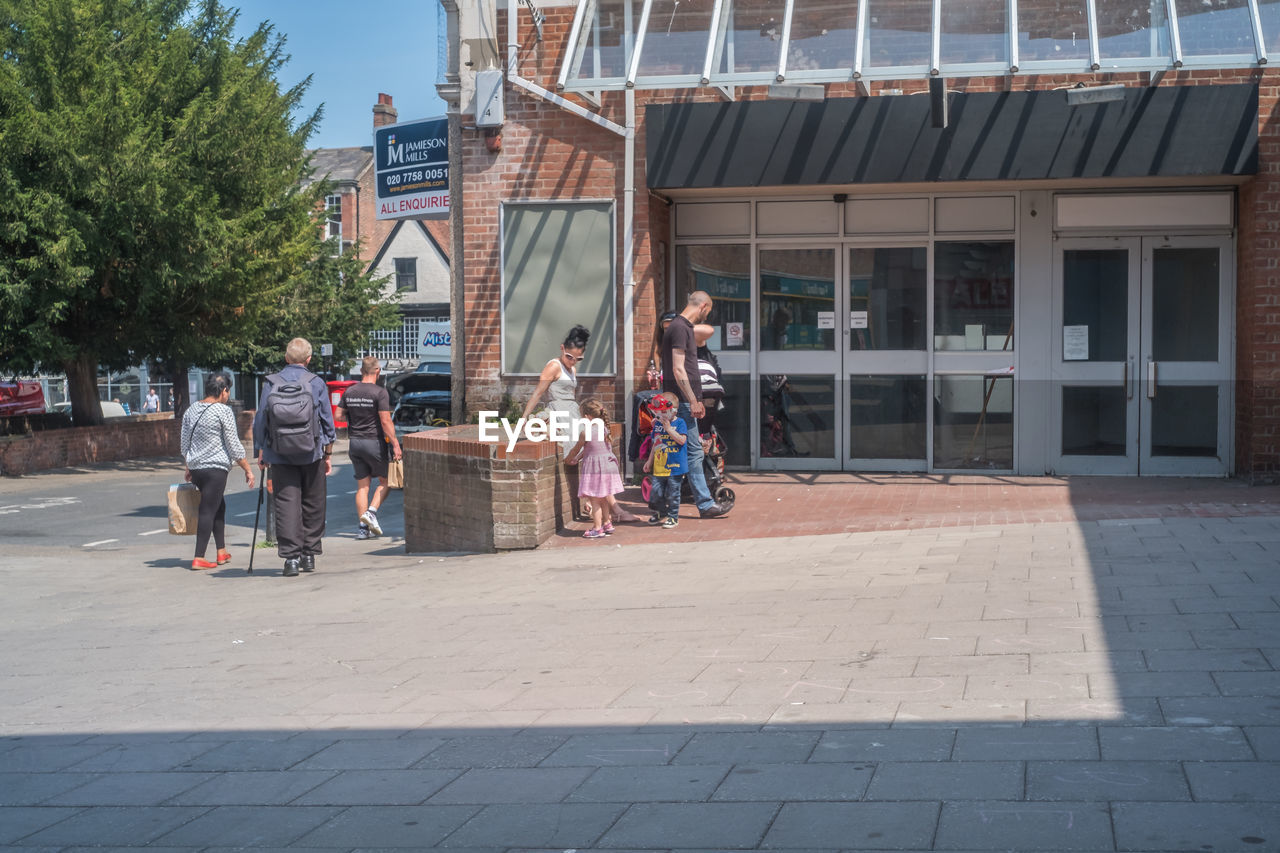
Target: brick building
[[412, 254], [1030, 237]]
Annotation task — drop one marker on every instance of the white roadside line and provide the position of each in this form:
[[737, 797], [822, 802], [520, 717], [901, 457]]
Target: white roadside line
[[242, 514], [99, 542], [154, 532]]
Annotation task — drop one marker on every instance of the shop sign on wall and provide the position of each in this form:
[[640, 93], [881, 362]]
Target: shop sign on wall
[[411, 162]]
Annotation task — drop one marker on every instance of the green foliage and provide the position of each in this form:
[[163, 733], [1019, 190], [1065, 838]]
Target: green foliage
[[331, 300], [151, 186]]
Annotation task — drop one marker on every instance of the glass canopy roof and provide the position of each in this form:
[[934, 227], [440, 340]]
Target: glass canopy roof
[[616, 44]]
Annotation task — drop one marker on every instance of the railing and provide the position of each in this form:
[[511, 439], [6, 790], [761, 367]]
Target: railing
[[402, 343]]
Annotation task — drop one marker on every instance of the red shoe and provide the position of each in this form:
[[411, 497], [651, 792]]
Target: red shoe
[[224, 557], [202, 564]]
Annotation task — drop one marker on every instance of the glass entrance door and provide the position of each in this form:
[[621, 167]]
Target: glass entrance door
[[886, 358], [1141, 362], [799, 359], [843, 357], [1096, 328], [1186, 356]]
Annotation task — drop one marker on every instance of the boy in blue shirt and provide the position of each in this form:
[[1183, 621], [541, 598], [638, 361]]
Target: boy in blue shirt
[[668, 461]]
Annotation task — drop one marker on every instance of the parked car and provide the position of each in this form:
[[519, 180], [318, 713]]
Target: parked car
[[109, 409], [422, 399], [21, 397]]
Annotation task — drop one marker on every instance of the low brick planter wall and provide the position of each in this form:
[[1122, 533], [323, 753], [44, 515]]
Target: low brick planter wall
[[139, 437], [462, 494]]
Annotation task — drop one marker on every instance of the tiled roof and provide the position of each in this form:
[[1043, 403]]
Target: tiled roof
[[439, 231], [339, 164]]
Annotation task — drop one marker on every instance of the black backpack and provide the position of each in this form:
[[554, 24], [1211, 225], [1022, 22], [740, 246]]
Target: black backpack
[[291, 418]]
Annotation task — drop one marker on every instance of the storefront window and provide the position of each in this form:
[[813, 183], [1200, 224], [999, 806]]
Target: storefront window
[[973, 296], [733, 421], [973, 422], [1184, 317], [887, 417], [797, 416], [724, 272], [797, 299], [888, 299], [557, 271], [1094, 421], [1095, 296]]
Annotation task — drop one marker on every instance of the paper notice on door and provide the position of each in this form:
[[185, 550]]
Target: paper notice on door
[[1075, 343], [826, 319], [733, 334], [857, 319]]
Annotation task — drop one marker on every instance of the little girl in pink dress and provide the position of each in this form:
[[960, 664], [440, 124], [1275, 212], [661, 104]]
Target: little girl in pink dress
[[598, 475]]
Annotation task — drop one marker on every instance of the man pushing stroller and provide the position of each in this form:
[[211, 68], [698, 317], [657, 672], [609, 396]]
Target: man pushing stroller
[[680, 379]]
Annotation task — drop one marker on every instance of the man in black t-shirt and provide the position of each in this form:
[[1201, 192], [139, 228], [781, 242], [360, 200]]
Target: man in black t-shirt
[[366, 407], [680, 376]]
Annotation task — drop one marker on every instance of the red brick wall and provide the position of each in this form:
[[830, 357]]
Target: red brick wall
[[1257, 426], [548, 153], [497, 501], [141, 437]]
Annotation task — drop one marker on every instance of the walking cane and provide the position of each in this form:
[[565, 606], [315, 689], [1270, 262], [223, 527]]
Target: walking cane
[[253, 543]]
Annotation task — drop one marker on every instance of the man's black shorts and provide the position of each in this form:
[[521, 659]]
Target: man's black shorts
[[368, 457]]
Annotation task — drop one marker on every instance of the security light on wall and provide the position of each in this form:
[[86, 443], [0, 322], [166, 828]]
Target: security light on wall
[[1081, 95]]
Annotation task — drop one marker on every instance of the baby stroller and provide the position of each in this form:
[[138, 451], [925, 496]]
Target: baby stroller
[[713, 453]]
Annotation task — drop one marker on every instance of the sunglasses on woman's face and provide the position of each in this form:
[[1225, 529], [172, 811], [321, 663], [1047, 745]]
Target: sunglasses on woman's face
[[573, 357]]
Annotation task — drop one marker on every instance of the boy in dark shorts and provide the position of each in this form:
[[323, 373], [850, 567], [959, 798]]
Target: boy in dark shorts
[[366, 407]]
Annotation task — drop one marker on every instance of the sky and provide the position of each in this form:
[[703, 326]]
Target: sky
[[354, 51]]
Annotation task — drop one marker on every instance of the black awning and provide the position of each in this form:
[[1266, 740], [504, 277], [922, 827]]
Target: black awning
[[1172, 131]]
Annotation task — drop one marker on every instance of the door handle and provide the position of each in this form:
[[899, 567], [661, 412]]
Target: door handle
[[1128, 388], [1151, 380]]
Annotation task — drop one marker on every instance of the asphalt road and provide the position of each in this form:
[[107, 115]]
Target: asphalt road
[[123, 505]]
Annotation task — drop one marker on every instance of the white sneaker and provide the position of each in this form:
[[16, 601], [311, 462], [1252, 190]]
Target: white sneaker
[[370, 518]]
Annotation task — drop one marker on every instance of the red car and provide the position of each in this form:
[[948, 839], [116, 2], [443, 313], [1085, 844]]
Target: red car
[[23, 397]]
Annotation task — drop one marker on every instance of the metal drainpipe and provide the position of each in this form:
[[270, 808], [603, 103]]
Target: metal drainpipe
[[628, 267], [452, 93]]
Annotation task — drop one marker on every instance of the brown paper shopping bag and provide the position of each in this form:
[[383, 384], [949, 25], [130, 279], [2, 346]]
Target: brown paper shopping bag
[[184, 507], [395, 473]]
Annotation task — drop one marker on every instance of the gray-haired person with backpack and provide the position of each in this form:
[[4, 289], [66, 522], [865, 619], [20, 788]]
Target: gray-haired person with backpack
[[294, 434]]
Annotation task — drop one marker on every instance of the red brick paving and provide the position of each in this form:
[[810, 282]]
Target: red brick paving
[[795, 504]]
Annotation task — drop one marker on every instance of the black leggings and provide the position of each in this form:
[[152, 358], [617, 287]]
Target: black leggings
[[211, 482]]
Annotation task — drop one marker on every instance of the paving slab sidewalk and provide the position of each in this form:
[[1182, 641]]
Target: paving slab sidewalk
[[1051, 685]]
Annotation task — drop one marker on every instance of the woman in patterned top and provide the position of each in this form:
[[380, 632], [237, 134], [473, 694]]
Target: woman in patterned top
[[210, 445]]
